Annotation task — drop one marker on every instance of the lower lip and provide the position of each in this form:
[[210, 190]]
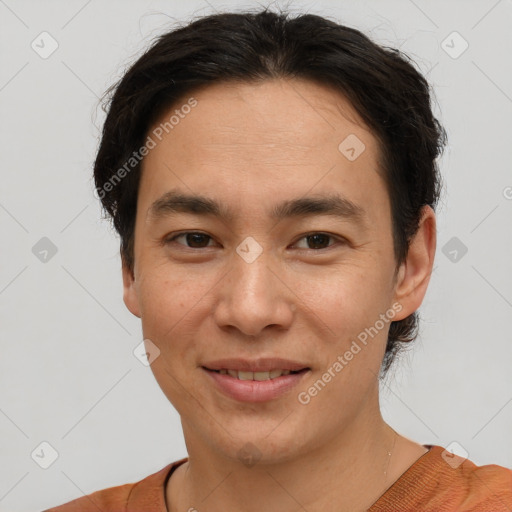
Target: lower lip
[[255, 390]]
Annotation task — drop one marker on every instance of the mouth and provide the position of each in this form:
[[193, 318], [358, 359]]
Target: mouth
[[259, 376], [261, 380]]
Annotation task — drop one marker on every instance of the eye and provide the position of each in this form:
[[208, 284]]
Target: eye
[[318, 241], [195, 239], [198, 240]]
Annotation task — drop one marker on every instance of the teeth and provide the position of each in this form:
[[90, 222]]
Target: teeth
[[241, 375]]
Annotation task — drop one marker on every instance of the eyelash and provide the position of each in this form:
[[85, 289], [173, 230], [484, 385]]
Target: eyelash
[[340, 240]]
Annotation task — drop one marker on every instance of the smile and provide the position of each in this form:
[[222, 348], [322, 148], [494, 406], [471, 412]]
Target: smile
[[259, 381], [259, 376]]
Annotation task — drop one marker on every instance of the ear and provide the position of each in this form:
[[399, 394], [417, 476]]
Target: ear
[[414, 273], [130, 295]]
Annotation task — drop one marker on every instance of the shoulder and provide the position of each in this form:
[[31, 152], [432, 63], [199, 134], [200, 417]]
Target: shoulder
[[148, 493], [485, 487], [111, 499], [442, 482]]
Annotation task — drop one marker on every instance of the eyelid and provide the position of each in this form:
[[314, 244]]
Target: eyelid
[[171, 238], [339, 239]]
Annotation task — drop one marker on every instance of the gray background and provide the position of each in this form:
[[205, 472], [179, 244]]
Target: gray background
[[67, 372]]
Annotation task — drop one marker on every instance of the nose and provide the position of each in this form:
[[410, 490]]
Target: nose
[[252, 297]]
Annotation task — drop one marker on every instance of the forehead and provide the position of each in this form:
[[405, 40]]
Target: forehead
[[251, 141], [272, 111]]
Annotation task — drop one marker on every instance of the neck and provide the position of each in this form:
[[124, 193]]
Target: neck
[[352, 470]]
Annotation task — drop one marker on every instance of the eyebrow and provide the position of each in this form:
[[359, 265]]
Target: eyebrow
[[331, 204]]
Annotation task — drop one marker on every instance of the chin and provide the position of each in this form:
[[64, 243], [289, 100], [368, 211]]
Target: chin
[[257, 444]]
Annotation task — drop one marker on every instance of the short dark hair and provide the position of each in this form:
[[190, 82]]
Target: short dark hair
[[386, 90]]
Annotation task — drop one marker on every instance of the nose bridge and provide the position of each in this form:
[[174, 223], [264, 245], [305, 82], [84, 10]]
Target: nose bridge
[[252, 298], [251, 280], [252, 275]]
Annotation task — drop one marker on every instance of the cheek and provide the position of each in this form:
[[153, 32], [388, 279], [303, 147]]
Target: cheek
[[167, 306], [349, 295], [350, 307], [353, 351], [168, 309]]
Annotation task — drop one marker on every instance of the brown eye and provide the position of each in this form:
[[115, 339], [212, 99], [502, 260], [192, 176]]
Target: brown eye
[[193, 240], [317, 241]]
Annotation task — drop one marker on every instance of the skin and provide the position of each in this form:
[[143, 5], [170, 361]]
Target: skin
[[249, 146]]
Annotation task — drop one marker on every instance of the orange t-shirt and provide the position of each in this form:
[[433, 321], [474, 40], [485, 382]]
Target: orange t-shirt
[[431, 484]]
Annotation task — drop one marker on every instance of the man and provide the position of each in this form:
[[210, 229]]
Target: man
[[273, 181]]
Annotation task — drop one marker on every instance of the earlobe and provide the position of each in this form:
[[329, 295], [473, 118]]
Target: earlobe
[[130, 295], [414, 273]]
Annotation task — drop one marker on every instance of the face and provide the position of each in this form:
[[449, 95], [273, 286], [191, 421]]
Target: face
[[286, 264]]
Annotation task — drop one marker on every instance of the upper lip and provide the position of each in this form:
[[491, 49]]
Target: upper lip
[[255, 365]]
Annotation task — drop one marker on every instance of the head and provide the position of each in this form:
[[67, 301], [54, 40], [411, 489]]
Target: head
[[308, 147]]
